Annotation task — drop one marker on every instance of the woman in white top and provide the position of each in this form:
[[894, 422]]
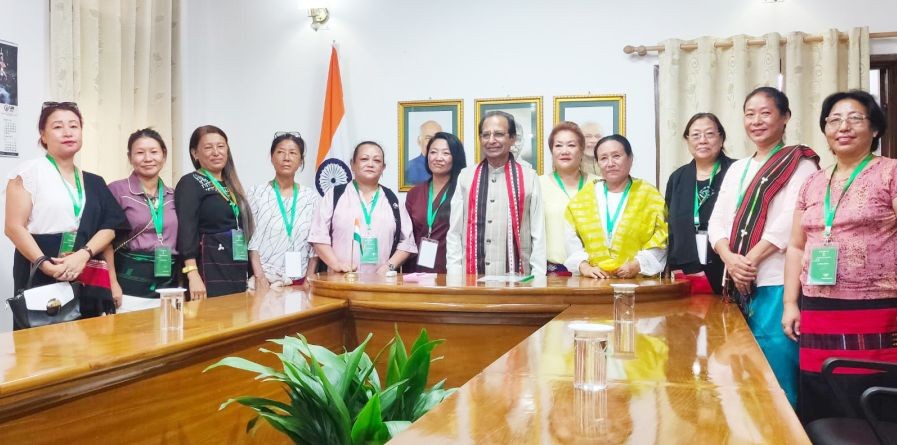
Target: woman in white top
[[56, 210], [279, 250]]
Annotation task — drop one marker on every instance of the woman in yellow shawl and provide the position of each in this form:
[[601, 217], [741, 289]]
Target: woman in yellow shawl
[[617, 228]]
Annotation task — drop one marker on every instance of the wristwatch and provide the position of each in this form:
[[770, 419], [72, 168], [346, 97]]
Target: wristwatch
[[392, 267]]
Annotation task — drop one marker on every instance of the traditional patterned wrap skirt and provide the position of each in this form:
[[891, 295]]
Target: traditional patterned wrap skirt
[[221, 274]]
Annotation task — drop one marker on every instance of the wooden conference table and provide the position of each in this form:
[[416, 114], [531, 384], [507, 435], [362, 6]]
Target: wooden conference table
[[697, 375]]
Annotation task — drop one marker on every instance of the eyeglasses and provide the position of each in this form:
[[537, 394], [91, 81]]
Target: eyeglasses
[[708, 135], [294, 134], [495, 134], [59, 105], [853, 120]]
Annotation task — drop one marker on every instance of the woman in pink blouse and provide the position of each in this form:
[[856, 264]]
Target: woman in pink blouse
[[361, 225], [842, 258]]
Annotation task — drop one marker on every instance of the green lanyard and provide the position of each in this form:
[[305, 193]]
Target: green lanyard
[[157, 210], [364, 209], [431, 214], [288, 222], [698, 202], [612, 221], [77, 204], [557, 178], [829, 212], [747, 166], [229, 197]]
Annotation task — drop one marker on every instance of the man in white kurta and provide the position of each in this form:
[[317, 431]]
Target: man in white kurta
[[496, 140]]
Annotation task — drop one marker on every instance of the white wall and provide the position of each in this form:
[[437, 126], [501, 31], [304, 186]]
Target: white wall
[[257, 67], [24, 23]]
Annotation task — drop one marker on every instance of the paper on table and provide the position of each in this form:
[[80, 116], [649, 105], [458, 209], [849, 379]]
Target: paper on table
[[131, 303]]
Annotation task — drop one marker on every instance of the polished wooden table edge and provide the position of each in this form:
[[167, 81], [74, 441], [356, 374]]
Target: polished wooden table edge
[[56, 386], [515, 308], [378, 284]]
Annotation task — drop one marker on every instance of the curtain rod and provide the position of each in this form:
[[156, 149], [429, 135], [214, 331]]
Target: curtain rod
[[642, 50]]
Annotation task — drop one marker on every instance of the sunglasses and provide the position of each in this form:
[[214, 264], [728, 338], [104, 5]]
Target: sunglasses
[[295, 134], [59, 105]]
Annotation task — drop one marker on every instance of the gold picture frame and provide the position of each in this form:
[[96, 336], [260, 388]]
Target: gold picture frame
[[608, 112], [427, 117], [527, 112]]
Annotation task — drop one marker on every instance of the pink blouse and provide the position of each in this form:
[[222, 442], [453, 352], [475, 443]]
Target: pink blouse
[[865, 230]]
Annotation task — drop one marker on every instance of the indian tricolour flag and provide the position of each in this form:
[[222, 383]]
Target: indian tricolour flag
[[357, 236], [334, 148]]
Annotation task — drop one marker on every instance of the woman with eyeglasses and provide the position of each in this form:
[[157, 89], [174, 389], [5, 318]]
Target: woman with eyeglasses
[[566, 143], [279, 251], [690, 196], [361, 225], [56, 210], [214, 218], [145, 260], [841, 263], [429, 203], [751, 224]]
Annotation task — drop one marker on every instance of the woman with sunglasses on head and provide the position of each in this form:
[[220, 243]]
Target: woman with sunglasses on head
[[429, 204], [144, 260], [690, 196], [279, 251], [55, 210], [841, 263], [214, 218]]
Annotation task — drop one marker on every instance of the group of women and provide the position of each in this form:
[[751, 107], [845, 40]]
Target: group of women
[[806, 253]]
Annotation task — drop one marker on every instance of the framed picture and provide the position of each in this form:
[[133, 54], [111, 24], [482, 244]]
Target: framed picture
[[597, 116], [418, 122], [527, 112]]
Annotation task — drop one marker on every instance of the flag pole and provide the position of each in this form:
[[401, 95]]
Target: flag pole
[[351, 275]]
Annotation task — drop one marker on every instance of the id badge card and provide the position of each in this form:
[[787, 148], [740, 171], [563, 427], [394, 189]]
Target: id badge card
[[292, 264], [369, 253], [238, 245], [162, 261], [823, 268], [426, 253], [68, 243], [701, 242]]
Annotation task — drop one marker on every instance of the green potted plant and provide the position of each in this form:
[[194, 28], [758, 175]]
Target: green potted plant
[[339, 398]]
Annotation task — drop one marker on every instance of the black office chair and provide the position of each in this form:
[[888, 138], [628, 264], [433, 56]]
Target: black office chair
[[855, 429]]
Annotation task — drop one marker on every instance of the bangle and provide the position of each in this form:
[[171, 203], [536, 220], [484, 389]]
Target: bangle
[[88, 249], [189, 269]]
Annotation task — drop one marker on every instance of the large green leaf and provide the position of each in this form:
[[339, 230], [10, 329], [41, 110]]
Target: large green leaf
[[396, 426], [246, 365], [369, 427]]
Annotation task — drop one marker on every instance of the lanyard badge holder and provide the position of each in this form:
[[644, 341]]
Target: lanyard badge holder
[[701, 240], [426, 252], [238, 238], [823, 267], [369, 252], [162, 253], [292, 261], [67, 245]]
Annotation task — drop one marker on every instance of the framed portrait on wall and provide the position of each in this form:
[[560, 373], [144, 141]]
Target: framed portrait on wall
[[418, 122], [527, 112]]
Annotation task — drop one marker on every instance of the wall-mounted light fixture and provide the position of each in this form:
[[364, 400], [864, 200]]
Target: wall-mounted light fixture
[[319, 17]]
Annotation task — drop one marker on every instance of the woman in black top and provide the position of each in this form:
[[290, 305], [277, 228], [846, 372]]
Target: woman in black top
[[214, 219], [697, 184], [56, 210]]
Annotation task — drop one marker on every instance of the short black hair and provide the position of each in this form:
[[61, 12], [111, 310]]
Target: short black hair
[[459, 159], [291, 137], [146, 133], [778, 97], [876, 116], [512, 125], [627, 147]]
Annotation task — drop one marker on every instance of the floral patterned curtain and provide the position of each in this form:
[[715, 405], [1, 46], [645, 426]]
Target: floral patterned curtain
[[116, 60]]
